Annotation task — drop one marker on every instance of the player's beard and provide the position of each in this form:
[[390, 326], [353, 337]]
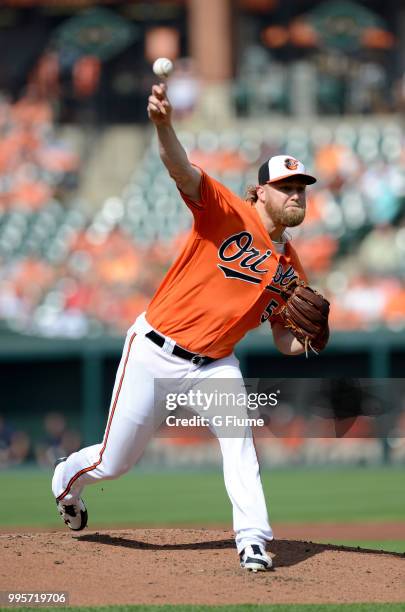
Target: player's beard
[[289, 217]]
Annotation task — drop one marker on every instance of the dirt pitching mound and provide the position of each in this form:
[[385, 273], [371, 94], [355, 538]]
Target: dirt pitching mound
[[194, 566]]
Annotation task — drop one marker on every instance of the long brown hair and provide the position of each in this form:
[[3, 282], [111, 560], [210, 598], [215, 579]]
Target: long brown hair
[[251, 194]]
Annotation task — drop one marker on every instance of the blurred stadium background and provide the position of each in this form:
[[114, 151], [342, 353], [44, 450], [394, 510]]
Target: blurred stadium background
[[89, 220]]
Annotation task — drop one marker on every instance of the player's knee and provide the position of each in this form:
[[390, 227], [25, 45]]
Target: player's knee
[[115, 470]]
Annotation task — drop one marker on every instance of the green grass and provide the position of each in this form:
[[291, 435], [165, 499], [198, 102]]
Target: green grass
[[386, 545], [199, 498], [362, 607]]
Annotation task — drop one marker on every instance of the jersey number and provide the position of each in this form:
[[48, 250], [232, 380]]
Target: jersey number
[[269, 310]]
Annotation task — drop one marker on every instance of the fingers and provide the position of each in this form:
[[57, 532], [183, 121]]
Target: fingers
[[153, 110], [155, 104], [159, 108], [159, 91]]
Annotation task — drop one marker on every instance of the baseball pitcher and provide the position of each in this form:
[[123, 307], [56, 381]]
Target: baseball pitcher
[[237, 270]]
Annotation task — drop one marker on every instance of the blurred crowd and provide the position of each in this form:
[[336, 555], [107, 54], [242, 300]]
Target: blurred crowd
[[55, 439], [353, 241], [65, 274], [329, 83], [34, 164], [101, 286]]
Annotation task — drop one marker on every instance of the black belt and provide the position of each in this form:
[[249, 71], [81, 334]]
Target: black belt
[[195, 358]]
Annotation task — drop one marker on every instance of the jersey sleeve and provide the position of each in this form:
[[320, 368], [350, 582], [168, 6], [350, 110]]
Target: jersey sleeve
[[214, 199]]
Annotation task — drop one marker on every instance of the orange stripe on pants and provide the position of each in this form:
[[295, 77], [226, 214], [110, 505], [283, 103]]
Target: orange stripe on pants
[[92, 467]]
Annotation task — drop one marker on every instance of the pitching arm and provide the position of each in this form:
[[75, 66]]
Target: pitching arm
[[172, 153]]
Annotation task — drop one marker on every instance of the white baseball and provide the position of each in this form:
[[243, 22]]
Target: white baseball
[[162, 67]]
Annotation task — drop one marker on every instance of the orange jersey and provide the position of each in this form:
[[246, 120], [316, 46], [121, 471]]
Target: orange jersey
[[228, 278]]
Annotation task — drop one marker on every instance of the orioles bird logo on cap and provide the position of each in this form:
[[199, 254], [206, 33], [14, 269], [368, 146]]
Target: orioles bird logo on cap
[[290, 163]]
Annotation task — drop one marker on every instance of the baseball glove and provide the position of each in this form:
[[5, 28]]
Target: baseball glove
[[305, 313]]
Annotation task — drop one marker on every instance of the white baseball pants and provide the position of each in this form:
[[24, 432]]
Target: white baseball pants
[[134, 417]]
